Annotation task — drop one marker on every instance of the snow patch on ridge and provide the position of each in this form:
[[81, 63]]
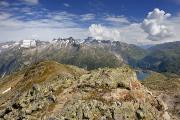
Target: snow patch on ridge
[[6, 90], [28, 43]]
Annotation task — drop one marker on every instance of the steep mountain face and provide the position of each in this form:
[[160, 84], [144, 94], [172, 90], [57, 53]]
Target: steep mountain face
[[88, 54], [163, 58], [49, 90], [129, 52]]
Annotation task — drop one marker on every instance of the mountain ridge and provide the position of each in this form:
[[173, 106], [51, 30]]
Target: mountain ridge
[[163, 58], [89, 54]]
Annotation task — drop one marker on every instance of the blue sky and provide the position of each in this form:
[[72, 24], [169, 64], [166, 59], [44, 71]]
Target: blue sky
[[131, 21], [130, 8]]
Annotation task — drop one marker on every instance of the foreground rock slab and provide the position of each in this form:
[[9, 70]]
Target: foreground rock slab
[[52, 91]]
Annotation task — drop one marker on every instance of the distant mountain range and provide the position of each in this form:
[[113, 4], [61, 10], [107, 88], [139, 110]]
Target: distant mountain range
[[163, 58], [89, 54]]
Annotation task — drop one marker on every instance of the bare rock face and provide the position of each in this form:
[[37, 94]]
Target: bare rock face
[[53, 91]]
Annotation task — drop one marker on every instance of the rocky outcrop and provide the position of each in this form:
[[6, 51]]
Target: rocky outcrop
[[166, 88], [49, 90]]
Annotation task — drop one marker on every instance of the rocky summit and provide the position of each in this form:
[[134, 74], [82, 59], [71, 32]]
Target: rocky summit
[[52, 91]]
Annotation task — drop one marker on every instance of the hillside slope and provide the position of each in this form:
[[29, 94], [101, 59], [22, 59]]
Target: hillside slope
[[163, 58], [168, 88], [49, 90]]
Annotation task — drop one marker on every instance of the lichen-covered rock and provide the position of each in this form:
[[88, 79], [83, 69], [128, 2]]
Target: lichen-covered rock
[[167, 89], [69, 93], [111, 94]]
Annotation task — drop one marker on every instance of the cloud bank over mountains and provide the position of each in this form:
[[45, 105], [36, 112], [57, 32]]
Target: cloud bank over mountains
[[40, 23], [155, 28]]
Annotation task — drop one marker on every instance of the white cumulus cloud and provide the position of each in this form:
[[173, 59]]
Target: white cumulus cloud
[[103, 33], [154, 25]]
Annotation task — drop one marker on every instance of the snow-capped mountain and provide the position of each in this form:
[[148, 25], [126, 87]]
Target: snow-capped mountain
[[89, 53], [27, 43], [60, 42], [21, 44]]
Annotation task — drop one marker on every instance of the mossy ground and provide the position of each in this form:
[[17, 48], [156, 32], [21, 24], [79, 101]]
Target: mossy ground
[[167, 83]]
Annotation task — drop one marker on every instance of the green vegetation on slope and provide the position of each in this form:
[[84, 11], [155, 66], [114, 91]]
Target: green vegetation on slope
[[163, 58], [160, 82], [167, 87]]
